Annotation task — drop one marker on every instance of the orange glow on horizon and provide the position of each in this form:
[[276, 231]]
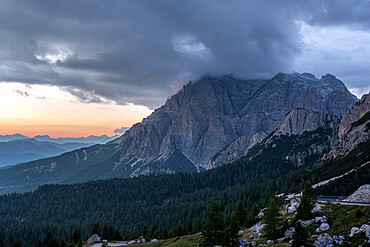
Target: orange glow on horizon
[[51, 111]]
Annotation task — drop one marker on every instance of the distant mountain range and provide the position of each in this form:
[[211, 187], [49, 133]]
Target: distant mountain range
[[61, 140], [18, 148], [211, 122]]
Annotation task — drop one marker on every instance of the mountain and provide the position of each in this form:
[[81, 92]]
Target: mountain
[[90, 139], [164, 203], [61, 140], [207, 116], [199, 124], [25, 150], [6, 138]]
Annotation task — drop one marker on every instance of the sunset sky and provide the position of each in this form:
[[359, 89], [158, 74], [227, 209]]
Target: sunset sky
[[77, 68], [48, 110]]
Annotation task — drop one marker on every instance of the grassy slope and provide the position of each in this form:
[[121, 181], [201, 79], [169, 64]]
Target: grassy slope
[[189, 240]]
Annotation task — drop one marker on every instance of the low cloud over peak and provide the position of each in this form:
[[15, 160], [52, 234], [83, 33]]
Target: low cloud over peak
[[135, 51]]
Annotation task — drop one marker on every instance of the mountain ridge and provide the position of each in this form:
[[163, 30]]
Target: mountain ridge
[[212, 116]]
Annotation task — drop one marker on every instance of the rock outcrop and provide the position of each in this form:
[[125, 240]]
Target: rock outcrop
[[299, 120], [360, 195], [353, 128]]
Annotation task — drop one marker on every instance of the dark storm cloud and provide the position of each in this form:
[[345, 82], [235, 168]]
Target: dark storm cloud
[[138, 51]]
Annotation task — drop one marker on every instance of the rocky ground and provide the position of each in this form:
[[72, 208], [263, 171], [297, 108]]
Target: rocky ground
[[333, 225]]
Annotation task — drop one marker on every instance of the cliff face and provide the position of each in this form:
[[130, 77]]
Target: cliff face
[[353, 128], [224, 113], [300, 120]]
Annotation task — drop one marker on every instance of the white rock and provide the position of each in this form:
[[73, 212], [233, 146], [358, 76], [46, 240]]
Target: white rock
[[143, 240], [292, 210], [306, 223], [94, 238], [316, 208], [289, 233], [280, 240], [241, 232], [354, 230], [260, 215], [322, 219], [131, 242], [366, 229], [243, 242], [254, 243], [361, 195], [324, 227], [323, 240], [154, 240], [270, 242]]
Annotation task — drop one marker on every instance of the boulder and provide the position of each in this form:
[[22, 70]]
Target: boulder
[[280, 240], [324, 227], [366, 229], [321, 219], [324, 240], [289, 233], [154, 240], [306, 223], [260, 215], [243, 242], [292, 209], [143, 240], [354, 230], [253, 243], [316, 208], [241, 232], [131, 242], [94, 238], [270, 242], [338, 240]]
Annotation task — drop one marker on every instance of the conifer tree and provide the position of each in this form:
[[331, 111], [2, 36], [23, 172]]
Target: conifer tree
[[255, 210], [76, 236], [271, 218], [233, 229], [307, 203], [241, 214], [214, 229], [300, 236], [117, 235]]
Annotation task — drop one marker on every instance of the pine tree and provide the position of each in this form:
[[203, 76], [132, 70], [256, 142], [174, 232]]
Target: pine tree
[[96, 230], [255, 210], [241, 214], [300, 236], [271, 218], [214, 229], [76, 236], [117, 235], [307, 203], [63, 244], [233, 229]]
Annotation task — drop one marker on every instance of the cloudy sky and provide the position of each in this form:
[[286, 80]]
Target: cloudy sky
[[73, 68]]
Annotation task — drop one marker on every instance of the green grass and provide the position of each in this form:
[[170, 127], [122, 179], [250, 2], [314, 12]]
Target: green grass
[[186, 241], [342, 218]]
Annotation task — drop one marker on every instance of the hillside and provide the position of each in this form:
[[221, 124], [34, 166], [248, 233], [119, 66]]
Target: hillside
[[163, 203], [25, 150]]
